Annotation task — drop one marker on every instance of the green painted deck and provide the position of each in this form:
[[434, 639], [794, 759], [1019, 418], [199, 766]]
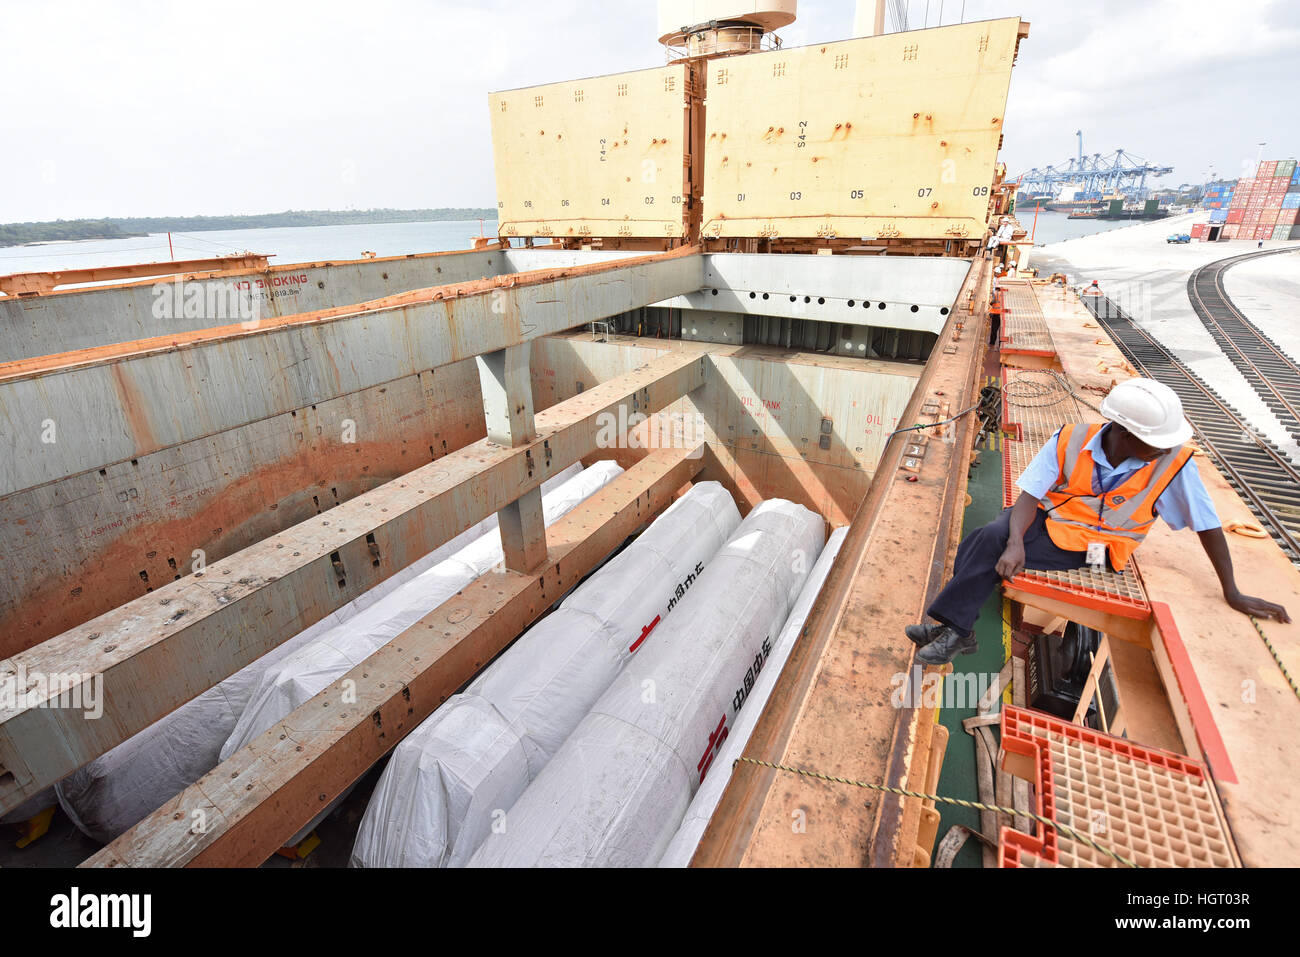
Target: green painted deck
[[958, 776]]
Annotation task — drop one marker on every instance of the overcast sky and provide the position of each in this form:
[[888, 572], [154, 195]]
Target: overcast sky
[[167, 108]]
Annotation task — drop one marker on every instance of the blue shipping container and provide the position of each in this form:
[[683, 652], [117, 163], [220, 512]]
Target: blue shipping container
[[1218, 215]]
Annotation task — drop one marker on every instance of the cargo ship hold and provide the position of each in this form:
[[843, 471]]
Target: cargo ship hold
[[610, 526]]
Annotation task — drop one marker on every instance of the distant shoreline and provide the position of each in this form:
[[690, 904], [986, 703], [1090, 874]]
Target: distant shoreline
[[79, 239], [23, 234]]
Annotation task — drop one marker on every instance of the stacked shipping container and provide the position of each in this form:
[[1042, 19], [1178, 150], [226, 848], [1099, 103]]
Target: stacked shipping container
[[1218, 200], [1267, 205], [1218, 195]]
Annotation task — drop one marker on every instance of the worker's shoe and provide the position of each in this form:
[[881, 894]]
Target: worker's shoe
[[948, 645], [922, 635]]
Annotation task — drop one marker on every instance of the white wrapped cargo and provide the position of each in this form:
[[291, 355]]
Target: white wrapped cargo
[[615, 792], [120, 788], [30, 808], [313, 668], [474, 756], [682, 847]]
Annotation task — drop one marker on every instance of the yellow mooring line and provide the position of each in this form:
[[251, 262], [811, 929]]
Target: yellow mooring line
[[1276, 657], [976, 805]]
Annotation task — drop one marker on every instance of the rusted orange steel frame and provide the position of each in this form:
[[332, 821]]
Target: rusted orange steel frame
[[162, 649], [39, 283], [176, 269], [450, 296], [263, 794]]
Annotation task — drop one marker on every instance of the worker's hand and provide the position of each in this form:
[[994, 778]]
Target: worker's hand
[[1258, 607], [1012, 562]]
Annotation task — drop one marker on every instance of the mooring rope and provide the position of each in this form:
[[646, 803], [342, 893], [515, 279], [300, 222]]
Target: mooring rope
[[959, 802], [1276, 657]]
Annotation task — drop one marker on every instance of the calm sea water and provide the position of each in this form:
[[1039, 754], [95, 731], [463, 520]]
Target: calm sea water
[[290, 244], [314, 243], [1058, 227]]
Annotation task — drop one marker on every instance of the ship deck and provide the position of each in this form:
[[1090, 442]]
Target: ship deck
[[1200, 694], [1195, 677]]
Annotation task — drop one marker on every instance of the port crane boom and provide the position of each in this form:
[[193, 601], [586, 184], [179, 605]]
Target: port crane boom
[[1092, 177]]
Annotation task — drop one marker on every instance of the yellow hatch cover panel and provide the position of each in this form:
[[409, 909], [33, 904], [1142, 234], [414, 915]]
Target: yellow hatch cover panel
[[598, 157], [883, 137]]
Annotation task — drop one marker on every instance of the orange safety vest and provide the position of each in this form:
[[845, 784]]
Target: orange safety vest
[[1120, 518]]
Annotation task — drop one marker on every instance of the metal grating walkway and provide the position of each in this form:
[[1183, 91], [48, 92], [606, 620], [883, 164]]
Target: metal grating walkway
[[1152, 807], [1024, 330], [1035, 406]]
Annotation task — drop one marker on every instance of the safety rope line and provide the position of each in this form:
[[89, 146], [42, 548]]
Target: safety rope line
[[1276, 657], [931, 425], [959, 802]]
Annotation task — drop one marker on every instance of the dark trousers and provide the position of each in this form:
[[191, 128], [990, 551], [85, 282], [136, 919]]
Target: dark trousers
[[974, 574]]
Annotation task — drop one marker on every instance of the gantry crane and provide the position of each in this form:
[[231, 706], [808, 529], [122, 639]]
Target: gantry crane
[[1091, 177]]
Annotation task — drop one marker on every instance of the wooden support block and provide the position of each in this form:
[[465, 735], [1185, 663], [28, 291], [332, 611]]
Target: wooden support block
[[981, 721], [984, 772], [1002, 788], [1091, 686], [990, 701], [1020, 787], [1021, 802], [1045, 621]]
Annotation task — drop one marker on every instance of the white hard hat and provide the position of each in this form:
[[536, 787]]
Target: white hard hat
[[1150, 410]]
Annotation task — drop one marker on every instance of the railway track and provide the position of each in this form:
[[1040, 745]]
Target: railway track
[[1254, 466], [1273, 374]]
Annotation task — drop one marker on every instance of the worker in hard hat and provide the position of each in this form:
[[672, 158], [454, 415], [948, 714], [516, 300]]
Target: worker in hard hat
[[1088, 498]]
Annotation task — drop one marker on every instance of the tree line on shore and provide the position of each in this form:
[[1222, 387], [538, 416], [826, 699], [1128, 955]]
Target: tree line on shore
[[17, 234]]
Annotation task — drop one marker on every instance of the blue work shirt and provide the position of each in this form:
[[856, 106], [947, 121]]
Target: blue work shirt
[[1185, 503]]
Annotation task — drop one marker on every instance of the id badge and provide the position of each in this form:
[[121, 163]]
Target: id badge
[[1097, 554]]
